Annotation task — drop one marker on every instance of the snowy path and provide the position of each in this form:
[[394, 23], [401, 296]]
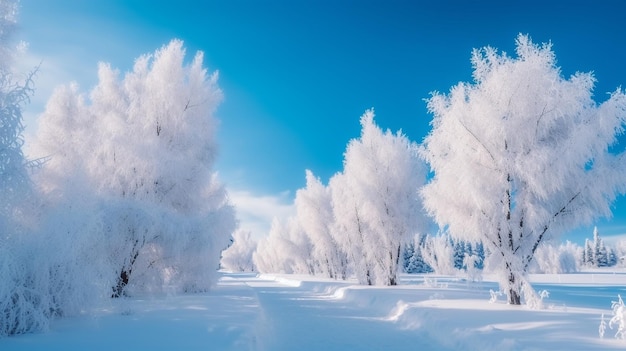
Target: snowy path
[[313, 317], [274, 313]]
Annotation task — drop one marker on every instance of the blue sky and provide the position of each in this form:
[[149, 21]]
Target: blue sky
[[297, 75]]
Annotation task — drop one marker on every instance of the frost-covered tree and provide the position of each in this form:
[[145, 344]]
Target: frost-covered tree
[[25, 301], [596, 253], [39, 256], [14, 93], [413, 258], [145, 146], [314, 213], [556, 259], [376, 203], [286, 249], [588, 254], [521, 155], [600, 254], [238, 256], [438, 253], [459, 254]]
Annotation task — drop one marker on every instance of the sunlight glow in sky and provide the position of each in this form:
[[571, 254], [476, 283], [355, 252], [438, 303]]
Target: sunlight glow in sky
[[297, 75]]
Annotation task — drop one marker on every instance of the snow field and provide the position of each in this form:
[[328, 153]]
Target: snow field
[[290, 312]]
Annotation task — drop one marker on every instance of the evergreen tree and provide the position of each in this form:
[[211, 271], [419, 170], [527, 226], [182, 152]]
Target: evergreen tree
[[480, 253], [589, 259], [407, 257], [459, 253], [414, 261], [612, 257]]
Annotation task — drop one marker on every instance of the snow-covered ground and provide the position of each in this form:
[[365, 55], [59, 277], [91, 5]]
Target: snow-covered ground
[[249, 312]]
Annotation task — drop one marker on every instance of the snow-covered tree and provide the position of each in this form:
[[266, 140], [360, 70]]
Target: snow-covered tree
[[14, 93], [438, 253], [314, 213], [589, 254], [459, 253], [349, 229], [40, 265], [286, 249], [238, 256], [597, 254], [376, 203], [145, 145], [413, 258], [521, 155], [600, 254], [25, 301], [556, 259]]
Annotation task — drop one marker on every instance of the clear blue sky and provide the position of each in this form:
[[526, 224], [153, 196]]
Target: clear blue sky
[[298, 74]]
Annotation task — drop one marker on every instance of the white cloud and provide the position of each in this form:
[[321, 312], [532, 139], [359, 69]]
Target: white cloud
[[256, 212]]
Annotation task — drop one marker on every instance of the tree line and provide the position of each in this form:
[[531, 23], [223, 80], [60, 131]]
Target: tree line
[[514, 159]]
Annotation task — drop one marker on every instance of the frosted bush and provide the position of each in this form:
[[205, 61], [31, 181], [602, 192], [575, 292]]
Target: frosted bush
[[602, 327], [618, 321], [494, 295], [474, 274]]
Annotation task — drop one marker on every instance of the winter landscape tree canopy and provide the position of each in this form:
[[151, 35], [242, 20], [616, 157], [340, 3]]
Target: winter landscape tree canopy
[[122, 218], [521, 155]]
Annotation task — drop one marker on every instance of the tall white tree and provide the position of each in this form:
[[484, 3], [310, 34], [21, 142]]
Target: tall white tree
[[145, 145], [314, 213], [376, 203], [521, 155]]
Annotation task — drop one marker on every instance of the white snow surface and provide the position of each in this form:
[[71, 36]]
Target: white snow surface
[[288, 312]]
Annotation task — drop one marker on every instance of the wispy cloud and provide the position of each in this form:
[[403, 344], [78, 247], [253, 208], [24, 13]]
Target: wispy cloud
[[256, 212]]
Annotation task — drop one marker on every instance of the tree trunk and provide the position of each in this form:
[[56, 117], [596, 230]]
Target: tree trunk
[[122, 281], [393, 281], [513, 292]]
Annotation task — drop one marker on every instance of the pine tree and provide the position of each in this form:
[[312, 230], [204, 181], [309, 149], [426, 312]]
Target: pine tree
[[589, 254], [480, 253], [408, 256], [459, 253], [612, 257]]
